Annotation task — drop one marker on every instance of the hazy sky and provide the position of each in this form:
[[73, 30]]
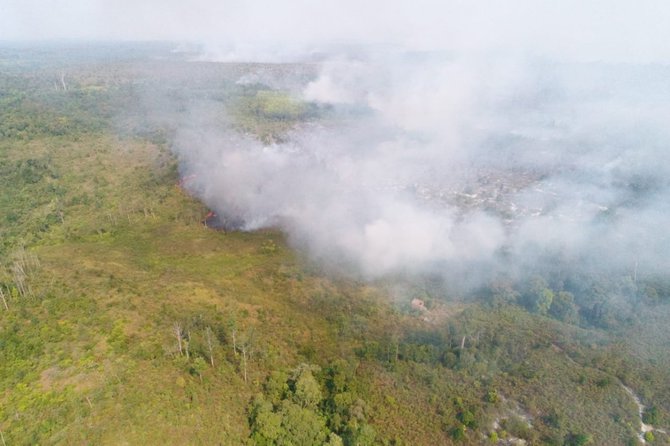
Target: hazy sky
[[614, 30]]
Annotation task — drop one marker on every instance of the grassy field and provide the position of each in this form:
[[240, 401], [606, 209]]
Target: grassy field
[[126, 321]]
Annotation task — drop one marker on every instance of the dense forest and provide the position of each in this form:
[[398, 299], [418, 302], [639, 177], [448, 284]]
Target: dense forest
[[126, 319]]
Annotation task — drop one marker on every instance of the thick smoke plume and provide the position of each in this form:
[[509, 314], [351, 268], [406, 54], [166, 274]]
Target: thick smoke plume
[[465, 139], [443, 163]]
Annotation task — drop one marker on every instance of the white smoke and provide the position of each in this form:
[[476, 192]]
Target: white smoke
[[446, 161], [482, 136]]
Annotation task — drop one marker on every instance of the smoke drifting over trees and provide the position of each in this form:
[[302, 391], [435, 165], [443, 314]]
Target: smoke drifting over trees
[[459, 136], [433, 162]]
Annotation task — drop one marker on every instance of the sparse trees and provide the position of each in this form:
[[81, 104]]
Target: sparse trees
[[296, 410], [198, 339], [539, 296], [209, 337], [301, 425], [563, 307], [307, 391], [22, 265], [232, 326], [62, 81], [577, 439], [543, 301], [199, 366], [178, 332], [245, 347], [501, 293], [4, 299], [650, 415], [266, 424]]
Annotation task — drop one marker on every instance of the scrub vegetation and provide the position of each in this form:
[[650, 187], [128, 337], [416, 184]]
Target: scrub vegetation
[[125, 320]]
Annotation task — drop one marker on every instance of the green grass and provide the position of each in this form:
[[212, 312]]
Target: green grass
[[89, 354]]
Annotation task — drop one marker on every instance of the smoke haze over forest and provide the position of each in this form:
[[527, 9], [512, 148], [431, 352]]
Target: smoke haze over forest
[[435, 163], [480, 136], [335, 222]]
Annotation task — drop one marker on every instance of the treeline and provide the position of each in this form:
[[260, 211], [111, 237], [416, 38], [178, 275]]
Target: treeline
[[311, 406], [26, 115], [589, 300]]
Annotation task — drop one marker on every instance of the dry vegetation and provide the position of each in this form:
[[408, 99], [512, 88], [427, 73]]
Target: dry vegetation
[[126, 321]]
